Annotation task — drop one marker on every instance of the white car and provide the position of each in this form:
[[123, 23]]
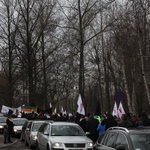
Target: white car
[[18, 123], [62, 136], [2, 123], [31, 132]]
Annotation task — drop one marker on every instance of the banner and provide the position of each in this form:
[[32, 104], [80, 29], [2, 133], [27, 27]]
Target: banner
[[6, 109], [28, 109]]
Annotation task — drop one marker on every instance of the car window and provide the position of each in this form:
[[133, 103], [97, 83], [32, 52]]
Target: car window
[[29, 125], [25, 124], [110, 139], [47, 128], [67, 130], [36, 126], [101, 139], [42, 128], [19, 122], [141, 141], [2, 119], [122, 140]]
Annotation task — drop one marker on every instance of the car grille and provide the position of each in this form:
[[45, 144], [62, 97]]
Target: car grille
[[75, 145]]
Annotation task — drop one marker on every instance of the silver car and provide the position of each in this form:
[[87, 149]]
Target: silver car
[[62, 136], [31, 132]]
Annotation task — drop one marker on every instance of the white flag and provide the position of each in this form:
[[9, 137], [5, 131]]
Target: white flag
[[50, 105], [80, 109], [65, 113], [120, 110], [115, 113], [55, 111]]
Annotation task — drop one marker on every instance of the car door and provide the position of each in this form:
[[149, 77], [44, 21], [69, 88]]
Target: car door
[[43, 135], [106, 142], [27, 133], [24, 129], [122, 141]]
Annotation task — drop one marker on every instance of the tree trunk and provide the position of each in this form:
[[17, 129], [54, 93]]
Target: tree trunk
[[143, 73], [126, 86], [81, 69]]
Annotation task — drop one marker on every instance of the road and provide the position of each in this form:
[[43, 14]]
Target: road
[[20, 145]]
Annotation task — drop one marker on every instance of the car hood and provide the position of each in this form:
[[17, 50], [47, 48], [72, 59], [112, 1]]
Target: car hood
[[68, 139]]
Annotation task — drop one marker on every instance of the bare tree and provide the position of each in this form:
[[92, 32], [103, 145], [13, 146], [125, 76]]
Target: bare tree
[[8, 54]]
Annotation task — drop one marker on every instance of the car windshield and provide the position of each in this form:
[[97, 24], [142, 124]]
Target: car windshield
[[66, 130], [19, 122], [2, 119], [36, 126], [141, 141]]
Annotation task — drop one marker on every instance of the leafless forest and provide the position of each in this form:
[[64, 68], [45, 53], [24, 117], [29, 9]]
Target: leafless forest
[[52, 50]]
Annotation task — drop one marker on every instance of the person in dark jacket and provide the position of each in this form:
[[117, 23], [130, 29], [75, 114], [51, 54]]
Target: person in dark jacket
[[83, 123], [5, 134], [125, 122], [144, 118], [109, 121], [92, 125], [10, 126]]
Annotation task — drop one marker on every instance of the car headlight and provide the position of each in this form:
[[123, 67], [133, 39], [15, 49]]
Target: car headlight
[[89, 145], [15, 130], [1, 127], [57, 144], [34, 137]]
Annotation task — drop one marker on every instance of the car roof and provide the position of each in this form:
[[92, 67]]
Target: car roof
[[20, 119], [130, 130], [36, 121], [61, 123]]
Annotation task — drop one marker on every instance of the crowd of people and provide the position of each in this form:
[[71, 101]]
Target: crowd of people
[[93, 124]]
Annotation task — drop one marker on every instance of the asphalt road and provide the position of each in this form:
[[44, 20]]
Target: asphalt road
[[19, 145]]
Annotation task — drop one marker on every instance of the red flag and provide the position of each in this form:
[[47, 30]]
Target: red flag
[[120, 110]]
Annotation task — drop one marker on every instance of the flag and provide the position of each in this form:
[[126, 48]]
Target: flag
[[80, 109], [55, 111], [65, 113], [120, 110], [115, 113], [62, 110], [50, 105]]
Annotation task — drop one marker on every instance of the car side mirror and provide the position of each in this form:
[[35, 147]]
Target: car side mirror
[[46, 133], [87, 133], [120, 147]]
